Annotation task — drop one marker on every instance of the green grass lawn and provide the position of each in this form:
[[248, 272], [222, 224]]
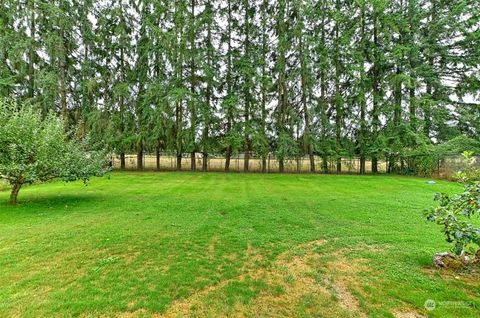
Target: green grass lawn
[[209, 245]]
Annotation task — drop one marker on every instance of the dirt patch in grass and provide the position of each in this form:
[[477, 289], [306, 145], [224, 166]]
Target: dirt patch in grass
[[342, 275], [407, 313], [211, 246], [299, 281], [135, 314], [141, 313], [129, 257], [469, 276], [346, 299]]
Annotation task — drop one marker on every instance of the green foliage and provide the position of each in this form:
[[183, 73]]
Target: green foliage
[[458, 145], [383, 79], [454, 212], [423, 157], [286, 148], [33, 148]]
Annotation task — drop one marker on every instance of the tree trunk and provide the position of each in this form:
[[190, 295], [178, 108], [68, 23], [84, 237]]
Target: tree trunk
[[376, 91], [412, 106], [263, 82], [391, 163], [325, 164], [306, 115], [412, 6], [205, 149], [323, 94], [193, 108], [205, 162], [179, 161], [363, 104], [178, 134], [193, 165], [246, 158], [281, 63], [14, 193], [228, 156], [312, 163], [374, 164], [338, 102], [430, 61], [397, 96], [122, 102], [122, 160], [140, 156], [228, 153], [63, 65], [208, 93], [362, 164], [158, 158], [31, 52], [428, 112]]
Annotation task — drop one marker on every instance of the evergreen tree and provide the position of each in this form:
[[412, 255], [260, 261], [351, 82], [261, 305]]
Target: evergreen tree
[[373, 79]]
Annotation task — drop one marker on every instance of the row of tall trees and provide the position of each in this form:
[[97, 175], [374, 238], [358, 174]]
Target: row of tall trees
[[329, 78]]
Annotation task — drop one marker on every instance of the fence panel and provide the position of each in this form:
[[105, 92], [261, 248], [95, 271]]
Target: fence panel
[[446, 168], [450, 165], [168, 162]]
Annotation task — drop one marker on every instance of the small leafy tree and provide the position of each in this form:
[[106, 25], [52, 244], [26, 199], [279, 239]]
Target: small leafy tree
[[454, 212], [33, 148]]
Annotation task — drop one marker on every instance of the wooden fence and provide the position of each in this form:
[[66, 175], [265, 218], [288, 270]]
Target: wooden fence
[[450, 165], [444, 168], [216, 163]]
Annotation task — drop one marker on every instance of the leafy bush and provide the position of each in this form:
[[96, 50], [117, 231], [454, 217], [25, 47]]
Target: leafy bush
[[34, 148], [453, 213], [457, 145]]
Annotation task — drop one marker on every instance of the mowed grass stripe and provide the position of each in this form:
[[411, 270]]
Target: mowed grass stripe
[[146, 244]]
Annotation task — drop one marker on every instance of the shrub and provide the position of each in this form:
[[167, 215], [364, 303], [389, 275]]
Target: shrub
[[454, 212], [34, 148]]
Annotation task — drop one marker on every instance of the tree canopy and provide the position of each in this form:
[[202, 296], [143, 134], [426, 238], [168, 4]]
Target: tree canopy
[[33, 148], [332, 78]]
